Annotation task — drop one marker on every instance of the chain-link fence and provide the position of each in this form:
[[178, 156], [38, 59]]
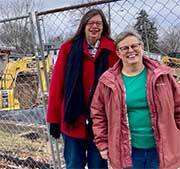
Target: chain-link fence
[[23, 131], [29, 46], [157, 21]]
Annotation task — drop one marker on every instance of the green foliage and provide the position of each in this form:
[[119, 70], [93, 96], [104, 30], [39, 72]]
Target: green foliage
[[146, 28]]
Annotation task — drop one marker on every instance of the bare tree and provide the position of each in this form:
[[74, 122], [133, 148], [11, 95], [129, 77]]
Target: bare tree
[[17, 33], [18, 36], [171, 41]]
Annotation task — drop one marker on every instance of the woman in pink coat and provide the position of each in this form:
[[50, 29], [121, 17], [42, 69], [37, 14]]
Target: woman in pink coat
[[136, 110]]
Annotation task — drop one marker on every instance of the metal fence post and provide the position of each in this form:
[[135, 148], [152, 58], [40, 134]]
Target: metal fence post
[[34, 21]]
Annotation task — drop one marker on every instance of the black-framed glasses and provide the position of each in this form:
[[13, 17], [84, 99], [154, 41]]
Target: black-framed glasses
[[134, 46], [98, 23]]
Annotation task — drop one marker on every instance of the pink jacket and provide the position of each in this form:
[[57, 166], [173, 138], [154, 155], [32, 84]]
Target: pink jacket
[[109, 114]]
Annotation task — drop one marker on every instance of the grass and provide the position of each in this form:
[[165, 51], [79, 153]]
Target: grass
[[14, 145]]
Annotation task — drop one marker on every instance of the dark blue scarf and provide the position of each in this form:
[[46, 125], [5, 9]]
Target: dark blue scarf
[[73, 90]]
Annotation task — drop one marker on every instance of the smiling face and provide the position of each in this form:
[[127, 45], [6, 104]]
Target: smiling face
[[131, 51], [94, 29]]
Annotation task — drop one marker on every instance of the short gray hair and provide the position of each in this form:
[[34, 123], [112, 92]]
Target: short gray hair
[[127, 33]]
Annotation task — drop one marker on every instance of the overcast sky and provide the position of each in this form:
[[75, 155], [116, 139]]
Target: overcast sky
[[55, 3], [50, 4]]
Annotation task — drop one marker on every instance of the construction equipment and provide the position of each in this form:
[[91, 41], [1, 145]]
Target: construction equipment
[[173, 60], [19, 81]]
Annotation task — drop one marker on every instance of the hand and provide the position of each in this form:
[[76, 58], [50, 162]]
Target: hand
[[104, 154], [54, 130]]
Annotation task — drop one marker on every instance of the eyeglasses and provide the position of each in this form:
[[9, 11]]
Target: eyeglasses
[[134, 46], [98, 23]]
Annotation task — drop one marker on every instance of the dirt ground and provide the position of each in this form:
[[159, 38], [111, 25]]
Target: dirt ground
[[19, 152]]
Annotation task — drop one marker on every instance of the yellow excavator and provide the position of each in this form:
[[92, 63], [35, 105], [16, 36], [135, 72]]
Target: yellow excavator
[[19, 81], [173, 60]]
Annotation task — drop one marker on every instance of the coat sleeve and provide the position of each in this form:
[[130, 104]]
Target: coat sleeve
[[176, 92], [99, 119], [56, 88]]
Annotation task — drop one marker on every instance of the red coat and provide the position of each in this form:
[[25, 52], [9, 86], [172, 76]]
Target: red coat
[[55, 113]]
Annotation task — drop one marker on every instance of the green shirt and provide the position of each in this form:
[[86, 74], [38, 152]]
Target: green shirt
[[138, 110]]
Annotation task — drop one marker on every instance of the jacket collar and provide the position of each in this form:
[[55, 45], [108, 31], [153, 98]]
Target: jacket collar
[[112, 75], [105, 43], [155, 67]]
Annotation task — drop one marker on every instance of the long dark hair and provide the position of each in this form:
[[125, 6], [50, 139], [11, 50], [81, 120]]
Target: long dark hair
[[85, 19]]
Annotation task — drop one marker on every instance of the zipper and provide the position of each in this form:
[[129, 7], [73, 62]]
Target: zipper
[[124, 105]]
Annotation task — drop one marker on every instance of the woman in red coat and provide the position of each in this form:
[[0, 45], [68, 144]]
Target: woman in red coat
[[80, 63]]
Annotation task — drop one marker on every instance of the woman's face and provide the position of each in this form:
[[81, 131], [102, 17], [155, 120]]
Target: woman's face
[[94, 29], [130, 50]]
